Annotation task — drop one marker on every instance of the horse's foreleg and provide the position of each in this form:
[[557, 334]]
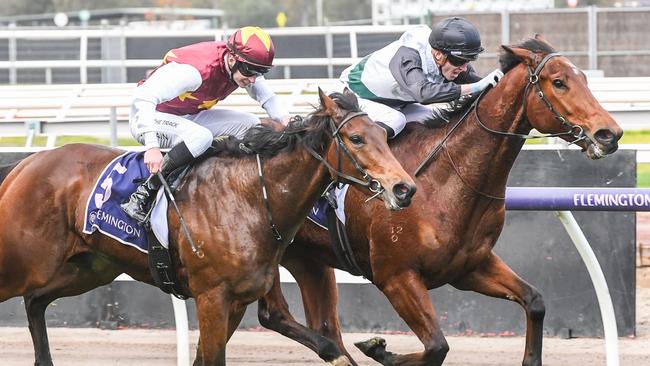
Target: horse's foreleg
[[236, 314], [35, 306], [273, 313], [234, 319], [496, 279], [410, 298], [213, 312], [71, 281]]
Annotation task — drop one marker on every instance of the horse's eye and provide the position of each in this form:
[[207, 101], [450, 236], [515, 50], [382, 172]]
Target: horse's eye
[[558, 84], [356, 139]]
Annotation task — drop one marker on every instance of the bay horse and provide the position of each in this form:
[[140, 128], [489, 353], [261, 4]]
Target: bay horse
[[448, 236], [44, 255]]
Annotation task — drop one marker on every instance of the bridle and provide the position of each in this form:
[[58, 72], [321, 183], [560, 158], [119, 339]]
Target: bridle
[[367, 181], [533, 82]]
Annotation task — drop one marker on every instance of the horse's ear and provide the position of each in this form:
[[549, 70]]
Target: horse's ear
[[527, 57], [349, 93], [326, 102], [541, 38]]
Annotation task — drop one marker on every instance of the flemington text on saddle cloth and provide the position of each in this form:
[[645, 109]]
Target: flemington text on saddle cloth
[[114, 185]]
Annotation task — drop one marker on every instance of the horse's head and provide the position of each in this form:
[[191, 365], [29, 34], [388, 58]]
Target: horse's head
[[360, 154], [557, 99]]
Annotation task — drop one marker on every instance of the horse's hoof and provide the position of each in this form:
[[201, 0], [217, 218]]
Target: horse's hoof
[[370, 346], [341, 361]]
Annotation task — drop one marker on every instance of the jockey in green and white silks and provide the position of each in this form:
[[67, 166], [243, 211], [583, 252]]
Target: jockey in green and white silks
[[424, 66]]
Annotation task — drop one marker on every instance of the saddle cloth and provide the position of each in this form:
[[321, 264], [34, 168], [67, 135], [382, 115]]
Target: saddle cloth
[[318, 213], [114, 186]]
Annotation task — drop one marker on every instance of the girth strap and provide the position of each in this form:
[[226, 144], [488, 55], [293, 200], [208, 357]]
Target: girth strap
[[341, 246], [162, 270]]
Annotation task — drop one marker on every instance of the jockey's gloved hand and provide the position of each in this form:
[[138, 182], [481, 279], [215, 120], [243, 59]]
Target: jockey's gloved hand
[[490, 80], [440, 112], [462, 102]]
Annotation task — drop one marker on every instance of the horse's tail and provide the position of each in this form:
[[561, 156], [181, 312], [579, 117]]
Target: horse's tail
[[6, 169]]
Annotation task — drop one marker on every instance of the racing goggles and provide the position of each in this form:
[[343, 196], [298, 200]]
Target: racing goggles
[[249, 70], [456, 61]]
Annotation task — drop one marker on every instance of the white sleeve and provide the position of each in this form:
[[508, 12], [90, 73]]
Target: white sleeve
[[166, 83], [274, 106], [416, 37]]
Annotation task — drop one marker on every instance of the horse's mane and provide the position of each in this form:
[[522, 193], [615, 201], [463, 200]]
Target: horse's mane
[[313, 131], [508, 60]]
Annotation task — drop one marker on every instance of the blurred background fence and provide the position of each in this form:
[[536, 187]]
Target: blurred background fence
[[612, 41]]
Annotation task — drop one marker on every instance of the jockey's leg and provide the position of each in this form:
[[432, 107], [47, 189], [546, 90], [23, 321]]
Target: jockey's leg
[[189, 140], [433, 115], [224, 122], [392, 120]]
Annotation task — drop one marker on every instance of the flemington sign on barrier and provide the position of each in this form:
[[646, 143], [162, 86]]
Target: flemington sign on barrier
[[577, 199]]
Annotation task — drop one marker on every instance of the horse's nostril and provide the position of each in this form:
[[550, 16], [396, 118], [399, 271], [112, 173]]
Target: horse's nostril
[[403, 191], [605, 136]]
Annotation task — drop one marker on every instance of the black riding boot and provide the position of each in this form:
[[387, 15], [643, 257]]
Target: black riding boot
[[138, 205]]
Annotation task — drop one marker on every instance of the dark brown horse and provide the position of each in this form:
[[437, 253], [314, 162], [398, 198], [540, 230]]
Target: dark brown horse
[[447, 236], [44, 255]]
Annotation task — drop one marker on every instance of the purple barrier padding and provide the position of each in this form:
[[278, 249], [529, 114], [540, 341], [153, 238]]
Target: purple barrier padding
[[577, 199]]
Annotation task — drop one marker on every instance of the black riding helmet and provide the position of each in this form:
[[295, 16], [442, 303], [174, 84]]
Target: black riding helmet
[[456, 37]]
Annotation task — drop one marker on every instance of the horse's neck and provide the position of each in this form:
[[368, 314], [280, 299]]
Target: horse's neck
[[481, 159], [294, 182]]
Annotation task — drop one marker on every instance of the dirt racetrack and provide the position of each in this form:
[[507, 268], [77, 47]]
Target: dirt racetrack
[[76, 347]]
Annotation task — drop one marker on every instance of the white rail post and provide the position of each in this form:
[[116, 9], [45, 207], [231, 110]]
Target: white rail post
[[182, 332], [83, 58], [600, 285], [113, 126], [33, 128]]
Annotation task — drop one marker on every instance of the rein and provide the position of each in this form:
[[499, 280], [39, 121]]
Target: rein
[[368, 181], [441, 144]]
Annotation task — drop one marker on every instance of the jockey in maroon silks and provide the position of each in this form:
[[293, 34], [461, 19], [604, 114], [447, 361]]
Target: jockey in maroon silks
[[173, 105]]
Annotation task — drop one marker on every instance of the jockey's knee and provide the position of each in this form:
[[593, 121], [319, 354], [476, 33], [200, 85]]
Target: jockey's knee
[[245, 125], [198, 140], [393, 124]]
